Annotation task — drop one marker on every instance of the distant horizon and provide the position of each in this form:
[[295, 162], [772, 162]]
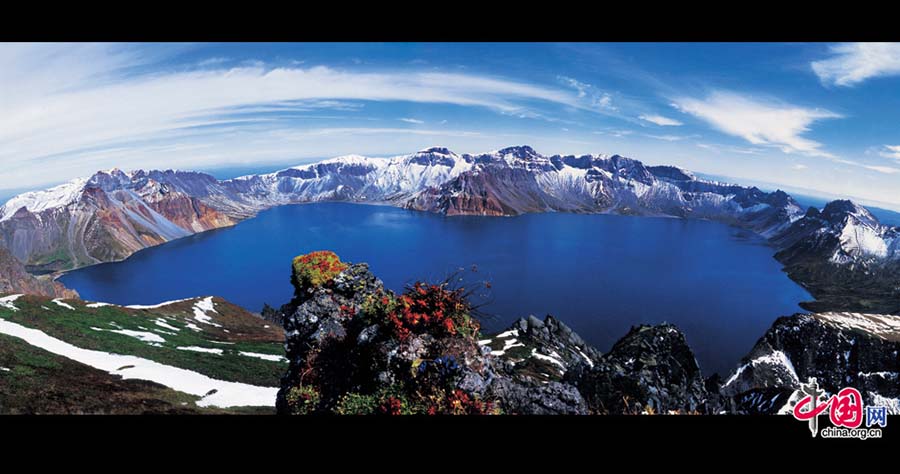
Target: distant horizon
[[811, 115], [235, 170]]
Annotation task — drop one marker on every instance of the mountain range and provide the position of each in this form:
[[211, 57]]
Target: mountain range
[[113, 214]]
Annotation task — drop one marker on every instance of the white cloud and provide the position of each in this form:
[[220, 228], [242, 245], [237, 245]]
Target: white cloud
[[799, 167], [668, 138], [760, 122], [660, 120], [882, 169], [852, 63], [891, 151], [728, 149], [412, 120], [589, 94], [63, 100]]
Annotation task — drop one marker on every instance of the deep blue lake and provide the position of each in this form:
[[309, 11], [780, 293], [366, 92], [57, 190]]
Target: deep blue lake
[[598, 273]]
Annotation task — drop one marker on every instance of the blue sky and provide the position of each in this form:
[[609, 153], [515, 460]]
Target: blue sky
[[817, 117]]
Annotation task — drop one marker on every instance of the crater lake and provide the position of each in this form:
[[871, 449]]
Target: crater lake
[[600, 274]]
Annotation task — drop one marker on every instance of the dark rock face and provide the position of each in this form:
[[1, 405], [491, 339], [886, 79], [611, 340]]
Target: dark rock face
[[531, 360], [535, 367], [838, 349], [650, 370], [316, 329]]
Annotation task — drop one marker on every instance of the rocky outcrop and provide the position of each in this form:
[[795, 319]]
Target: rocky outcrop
[[14, 279], [355, 347], [650, 370], [838, 349]]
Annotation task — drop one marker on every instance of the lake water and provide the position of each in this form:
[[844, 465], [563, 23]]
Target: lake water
[[598, 273]]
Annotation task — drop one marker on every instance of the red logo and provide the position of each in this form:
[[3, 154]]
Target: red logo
[[846, 408]]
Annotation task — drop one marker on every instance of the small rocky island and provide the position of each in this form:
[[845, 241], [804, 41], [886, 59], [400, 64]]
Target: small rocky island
[[355, 347]]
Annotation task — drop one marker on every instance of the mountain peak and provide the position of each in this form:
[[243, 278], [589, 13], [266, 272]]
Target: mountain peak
[[523, 152], [37, 201], [437, 150], [838, 209]]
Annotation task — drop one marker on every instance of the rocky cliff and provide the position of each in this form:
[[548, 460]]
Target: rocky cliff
[[14, 279], [356, 348], [838, 349]]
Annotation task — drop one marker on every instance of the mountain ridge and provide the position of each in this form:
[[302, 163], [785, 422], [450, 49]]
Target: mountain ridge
[[130, 211], [112, 214]]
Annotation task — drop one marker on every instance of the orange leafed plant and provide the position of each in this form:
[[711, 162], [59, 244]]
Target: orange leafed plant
[[316, 268]]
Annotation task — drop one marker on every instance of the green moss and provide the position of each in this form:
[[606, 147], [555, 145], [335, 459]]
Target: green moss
[[356, 404], [303, 400], [316, 269]]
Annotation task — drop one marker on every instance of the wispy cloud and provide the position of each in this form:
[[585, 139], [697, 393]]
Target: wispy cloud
[[592, 96], [799, 167], [760, 122], [852, 63], [883, 169], [412, 120], [891, 151], [668, 138], [60, 100], [729, 149], [616, 133], [660, 120]]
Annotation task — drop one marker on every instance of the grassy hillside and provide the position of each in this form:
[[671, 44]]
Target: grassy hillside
[[207, 336]]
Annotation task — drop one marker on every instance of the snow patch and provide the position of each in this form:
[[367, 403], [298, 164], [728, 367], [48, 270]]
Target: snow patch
[[97, 305], [507, 345], [7, 302], [200, 349], [776, 358], [163, 324], [585, 357], [884, 326], [227, 394], [270, 357], [37, 201], [155, 306], [202, 309], [142, 335], [59, 302], [552, 358]]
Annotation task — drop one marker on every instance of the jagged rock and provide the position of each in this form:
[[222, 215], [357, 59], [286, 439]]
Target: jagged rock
[[651, 369], [550, 398], [344, 360], [838, 349]]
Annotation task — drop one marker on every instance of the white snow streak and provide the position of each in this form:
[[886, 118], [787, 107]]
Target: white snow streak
[[59, 302], [270, 357], [228, 394]]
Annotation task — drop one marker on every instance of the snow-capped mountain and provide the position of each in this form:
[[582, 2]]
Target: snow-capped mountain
[[839, 349], [113, 213], [844, 232]]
